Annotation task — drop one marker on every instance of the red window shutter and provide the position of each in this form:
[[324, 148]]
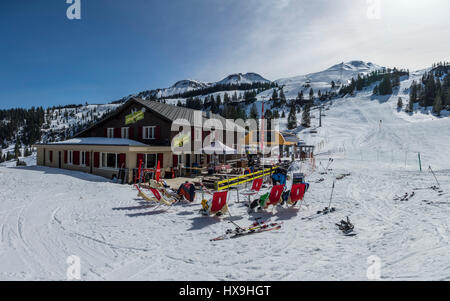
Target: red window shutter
[[122, 159], [65, 157], [175, 160], [139, 134], [106, 132], [87, 158], [96, 159], [140, 157], [76, 158], [157, 132], [117, 133], [161, 160], [51, 156]]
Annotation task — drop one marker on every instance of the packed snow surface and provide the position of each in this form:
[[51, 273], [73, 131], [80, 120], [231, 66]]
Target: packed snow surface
[[49, 214]]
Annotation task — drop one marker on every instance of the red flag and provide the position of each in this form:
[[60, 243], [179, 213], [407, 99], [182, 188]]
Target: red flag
[[158, 171], [138, 179]]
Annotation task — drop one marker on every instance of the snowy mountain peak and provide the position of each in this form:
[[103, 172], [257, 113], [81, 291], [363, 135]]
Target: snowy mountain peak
[[339, 73], [239, 78], [356, 66], [188, 83]]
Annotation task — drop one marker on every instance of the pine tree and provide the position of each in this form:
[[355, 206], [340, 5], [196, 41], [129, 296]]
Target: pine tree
[[226, 98], [410, 108], [359, 83], [400, 103], [17, 150], [311, 94], [274, 94], [299, 100], [437, 106], [276, 114], [282, 97], [254, 112], [306, 118], [292, 119], [234, 98], [413, 92]]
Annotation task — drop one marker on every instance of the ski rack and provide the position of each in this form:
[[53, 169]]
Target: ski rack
[[225, 184]]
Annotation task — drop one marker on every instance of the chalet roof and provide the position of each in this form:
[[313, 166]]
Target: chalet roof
[[173, 112], [98, 141], [170, 112], [290, 137]]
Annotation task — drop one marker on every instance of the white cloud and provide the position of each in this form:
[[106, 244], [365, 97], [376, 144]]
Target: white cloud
[[288, 37]]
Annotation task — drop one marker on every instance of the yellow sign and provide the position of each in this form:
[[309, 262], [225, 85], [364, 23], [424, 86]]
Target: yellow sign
[[134, 117], [180, 140]]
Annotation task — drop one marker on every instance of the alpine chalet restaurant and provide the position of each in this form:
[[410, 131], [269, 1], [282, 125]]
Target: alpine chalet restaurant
[[138, 131]]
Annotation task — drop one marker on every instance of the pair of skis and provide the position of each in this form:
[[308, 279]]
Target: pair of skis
[[256, 227], [320, 213], [404, 198]]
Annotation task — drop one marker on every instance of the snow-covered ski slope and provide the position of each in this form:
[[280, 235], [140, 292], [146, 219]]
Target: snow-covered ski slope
[[48, 214]]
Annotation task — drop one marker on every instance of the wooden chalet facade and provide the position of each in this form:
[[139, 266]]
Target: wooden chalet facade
[[140, 130]]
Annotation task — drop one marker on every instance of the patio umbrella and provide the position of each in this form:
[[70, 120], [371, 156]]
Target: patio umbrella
[[218, 148]]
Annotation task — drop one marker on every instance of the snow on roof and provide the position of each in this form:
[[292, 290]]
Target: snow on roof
[[100, 141]]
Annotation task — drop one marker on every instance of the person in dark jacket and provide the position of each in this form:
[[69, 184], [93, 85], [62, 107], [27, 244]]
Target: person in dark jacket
[[187, 190]]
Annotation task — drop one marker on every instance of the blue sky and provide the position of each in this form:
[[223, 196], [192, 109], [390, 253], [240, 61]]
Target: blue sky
[[123, 47]]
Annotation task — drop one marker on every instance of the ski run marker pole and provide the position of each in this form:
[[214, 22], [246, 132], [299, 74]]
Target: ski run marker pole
[[420, 163]]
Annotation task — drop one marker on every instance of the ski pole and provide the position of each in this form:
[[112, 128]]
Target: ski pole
[[331, 196], [439, 185], [237, 226], [329, 160], [329, 163]]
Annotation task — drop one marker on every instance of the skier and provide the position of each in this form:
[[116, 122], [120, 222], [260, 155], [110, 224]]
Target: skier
[[279, 176]]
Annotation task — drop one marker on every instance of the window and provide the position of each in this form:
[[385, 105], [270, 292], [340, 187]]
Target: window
[[148, 132], [125, 132], [70, 159], [150, 161], [109, 160], [83, 158], [198, 134], [110, 132]]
